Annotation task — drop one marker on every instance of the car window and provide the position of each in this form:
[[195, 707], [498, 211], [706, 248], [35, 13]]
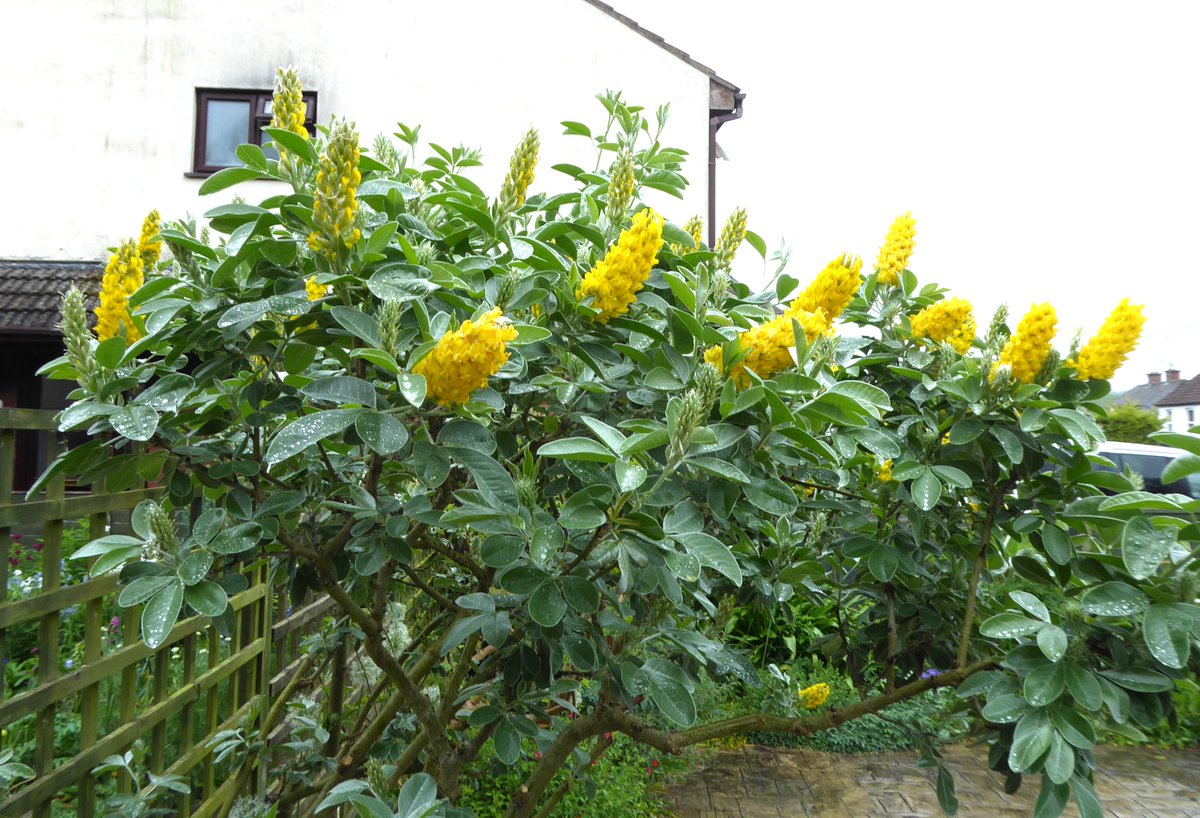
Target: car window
[[1150, 467]]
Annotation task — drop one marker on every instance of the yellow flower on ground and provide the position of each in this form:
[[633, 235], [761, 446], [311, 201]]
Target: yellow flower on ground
[[1103, 355], [614, 283], [897, 249], [336, 194], [464, 359], [122, 277], [950, 321], [314, 290], [833, 288], [148, 246], [814, 696], [1027, 350], [884, 471], [769, 344]]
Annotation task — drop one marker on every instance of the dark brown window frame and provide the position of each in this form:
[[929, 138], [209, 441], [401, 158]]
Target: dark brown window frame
[[260, 102]]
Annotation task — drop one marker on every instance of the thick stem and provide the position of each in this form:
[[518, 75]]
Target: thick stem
[[985, 539], [891, 654], [525, 800], [672, 741]]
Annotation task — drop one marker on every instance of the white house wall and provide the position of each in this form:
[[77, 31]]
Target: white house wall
[[99, 110], [1179, 418]]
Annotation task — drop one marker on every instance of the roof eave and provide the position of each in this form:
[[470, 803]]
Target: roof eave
[[632, 24]]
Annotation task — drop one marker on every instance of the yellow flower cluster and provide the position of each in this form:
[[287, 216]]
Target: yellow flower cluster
[[1026, 351], [950, 321], [833, 288], [768, 345], [314, 290], [814, 696], [122, 277], [149, 248], [897, 249], [464, 359], [614, 283], [1103, 355], [731, 238], [336, 189], [884, 471], [520, 172], [288, 110]]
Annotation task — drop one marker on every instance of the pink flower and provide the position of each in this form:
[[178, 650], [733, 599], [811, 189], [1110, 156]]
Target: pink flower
[[116, 623], [37, 546]]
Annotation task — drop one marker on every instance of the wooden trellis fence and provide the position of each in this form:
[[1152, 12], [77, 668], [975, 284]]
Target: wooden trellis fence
[[79, 683]]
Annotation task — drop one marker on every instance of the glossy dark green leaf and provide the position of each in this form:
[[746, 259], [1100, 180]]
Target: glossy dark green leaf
[[207, 598], [1143, 546]]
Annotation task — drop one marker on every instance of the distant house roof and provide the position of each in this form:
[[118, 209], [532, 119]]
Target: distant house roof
[[1186, 393], [31, 292], [729, 87], [1147, 395]]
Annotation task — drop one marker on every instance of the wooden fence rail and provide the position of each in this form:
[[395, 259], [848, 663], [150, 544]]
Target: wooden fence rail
[[79, 684]]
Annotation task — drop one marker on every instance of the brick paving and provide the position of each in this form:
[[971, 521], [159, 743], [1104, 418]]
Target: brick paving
[[765, 782]]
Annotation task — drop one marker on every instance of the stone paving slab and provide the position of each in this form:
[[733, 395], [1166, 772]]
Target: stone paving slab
[[766, 782]]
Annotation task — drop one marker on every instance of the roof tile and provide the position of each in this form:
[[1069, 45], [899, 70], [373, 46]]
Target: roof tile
[[31, 291]]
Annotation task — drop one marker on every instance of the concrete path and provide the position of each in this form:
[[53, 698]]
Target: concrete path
[[764, 782]]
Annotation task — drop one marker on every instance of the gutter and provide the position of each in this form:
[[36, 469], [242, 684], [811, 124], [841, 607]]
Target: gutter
[[716, 119]]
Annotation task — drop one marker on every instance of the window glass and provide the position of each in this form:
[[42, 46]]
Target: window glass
[[228, 125], [1150, 467]]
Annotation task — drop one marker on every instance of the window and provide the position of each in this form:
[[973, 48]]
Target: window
[[227, 118], [1191, 417]]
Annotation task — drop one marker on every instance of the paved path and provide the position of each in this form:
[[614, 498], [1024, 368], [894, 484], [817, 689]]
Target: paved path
[[764, 782]]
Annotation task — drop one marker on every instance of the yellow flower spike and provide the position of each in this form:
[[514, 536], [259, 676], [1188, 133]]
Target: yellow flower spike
[[814, 696], [314, 290], [897, 249], [950, 321], [621, 182], [122, 277], [1103, 355], [288, 110], [464, 359], [731, 238], [149, 248], [1026, 351], [833, 288], [520, 172], [768, 346], [336, 201], [614, 283]]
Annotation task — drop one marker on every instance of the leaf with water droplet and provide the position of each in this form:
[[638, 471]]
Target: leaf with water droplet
[[383, 433], [1143, 546], [1167, 633], [412, 387], [207, 598], [1009, 626], [134, 422], [303, 432], [1053, 642], [194, 567], [160, 613], [1114, 599]]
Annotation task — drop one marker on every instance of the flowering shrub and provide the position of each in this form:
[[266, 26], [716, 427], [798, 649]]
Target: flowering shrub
[[551, 426]]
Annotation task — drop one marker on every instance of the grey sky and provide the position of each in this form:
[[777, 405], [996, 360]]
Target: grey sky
[[1047, 150]]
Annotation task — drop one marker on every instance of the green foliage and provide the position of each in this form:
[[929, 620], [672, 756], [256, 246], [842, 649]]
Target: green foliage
[[562, 541], [1129, 423], [625, 780]]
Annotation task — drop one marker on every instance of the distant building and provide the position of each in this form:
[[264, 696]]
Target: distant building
[[1175, 400]]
